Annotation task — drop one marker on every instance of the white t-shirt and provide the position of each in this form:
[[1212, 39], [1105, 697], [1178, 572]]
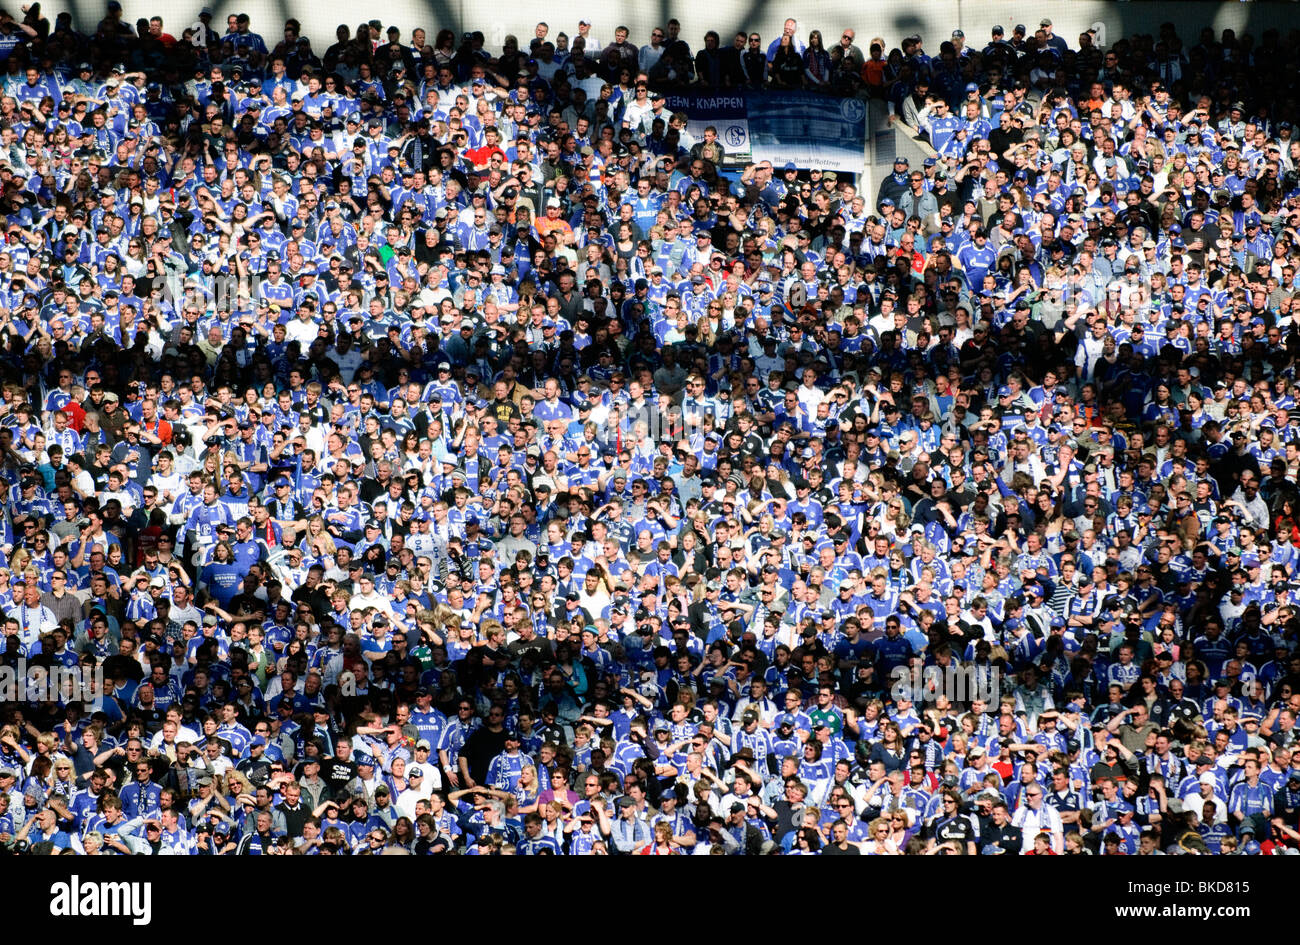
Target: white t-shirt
[[1033, 822]]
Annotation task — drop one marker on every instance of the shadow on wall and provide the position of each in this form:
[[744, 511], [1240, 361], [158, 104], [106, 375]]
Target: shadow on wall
[[905, 24], [1254, 18], [892, 19], [268, 16]]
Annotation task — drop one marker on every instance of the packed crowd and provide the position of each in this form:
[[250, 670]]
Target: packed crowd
[[415, 453]]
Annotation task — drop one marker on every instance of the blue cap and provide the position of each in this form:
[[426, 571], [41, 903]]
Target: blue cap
[[930, 162], [972, 87], [790, 166], [1004, 391]]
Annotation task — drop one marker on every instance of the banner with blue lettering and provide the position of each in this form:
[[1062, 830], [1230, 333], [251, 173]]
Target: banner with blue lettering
[[810, 130], [724, 112]]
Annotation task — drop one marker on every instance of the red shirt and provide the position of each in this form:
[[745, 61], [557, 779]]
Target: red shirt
[[159, 428], [76, 415], [480, 156]]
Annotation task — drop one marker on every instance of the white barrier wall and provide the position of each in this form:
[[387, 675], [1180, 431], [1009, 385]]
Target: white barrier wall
[[890, 19]]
